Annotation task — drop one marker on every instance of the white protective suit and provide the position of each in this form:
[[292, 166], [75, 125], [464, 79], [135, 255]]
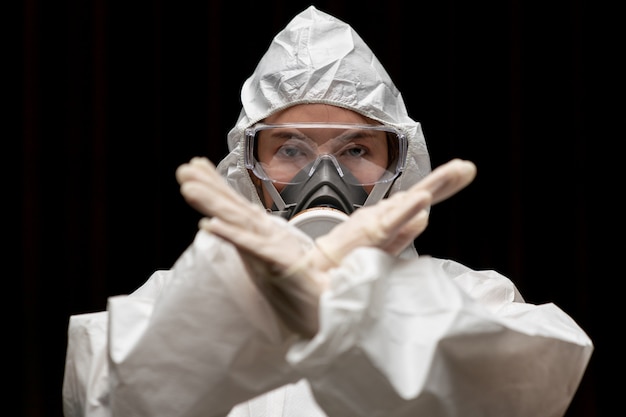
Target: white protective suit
[[405, 336]]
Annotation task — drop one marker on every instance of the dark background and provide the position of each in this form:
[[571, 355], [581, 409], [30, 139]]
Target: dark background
[[113, 96]]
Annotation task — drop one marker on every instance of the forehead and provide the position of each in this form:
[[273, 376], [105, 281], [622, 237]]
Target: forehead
[[324, 113]]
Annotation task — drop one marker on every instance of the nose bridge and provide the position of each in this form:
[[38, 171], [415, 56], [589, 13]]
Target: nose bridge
[[325, 162]]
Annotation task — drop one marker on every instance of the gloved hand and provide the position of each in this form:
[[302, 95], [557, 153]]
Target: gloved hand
[[235, 219], [266, 244], [393, 223], [288, 269]]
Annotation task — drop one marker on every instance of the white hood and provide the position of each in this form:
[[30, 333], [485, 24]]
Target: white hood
[[320, 59]]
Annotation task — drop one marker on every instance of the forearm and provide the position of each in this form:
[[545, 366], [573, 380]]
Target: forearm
[[207, 342], [404, 336], [211, 341]]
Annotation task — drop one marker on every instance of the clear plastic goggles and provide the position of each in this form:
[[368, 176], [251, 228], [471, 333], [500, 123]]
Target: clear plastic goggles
[[362, 154]]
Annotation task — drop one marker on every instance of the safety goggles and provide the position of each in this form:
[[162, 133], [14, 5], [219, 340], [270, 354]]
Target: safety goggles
[[279, 153]]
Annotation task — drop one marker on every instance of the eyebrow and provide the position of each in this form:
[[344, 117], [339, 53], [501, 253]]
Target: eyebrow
[[341, 139], [357, 133], [288, 134]]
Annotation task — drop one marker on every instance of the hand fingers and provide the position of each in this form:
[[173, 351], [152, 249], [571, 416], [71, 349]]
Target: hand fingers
[[384, 221], [242, 237], [206, 191], [448, 179], [411, 230], [278, 247], [442, 183], [375, 226], [401, 208], [198, 168], [203, 172]]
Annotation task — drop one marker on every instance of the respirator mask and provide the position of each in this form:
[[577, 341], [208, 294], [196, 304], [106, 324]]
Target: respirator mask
[[319, 173]]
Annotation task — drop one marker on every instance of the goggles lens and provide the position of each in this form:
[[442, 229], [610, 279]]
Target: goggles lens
[[370, 153]]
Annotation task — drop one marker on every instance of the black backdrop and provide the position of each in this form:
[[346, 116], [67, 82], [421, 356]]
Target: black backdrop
[[113, 96]]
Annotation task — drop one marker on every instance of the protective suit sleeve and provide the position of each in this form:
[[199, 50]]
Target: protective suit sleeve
[[85, 382], [86, 378], [195, 338], [404, 338], [207, 343]]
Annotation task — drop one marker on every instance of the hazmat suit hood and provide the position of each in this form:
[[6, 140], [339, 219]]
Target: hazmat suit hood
[[320, 59]]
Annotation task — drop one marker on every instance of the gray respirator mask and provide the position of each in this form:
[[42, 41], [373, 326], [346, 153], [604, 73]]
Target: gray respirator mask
[[318, 203], [322, 189]]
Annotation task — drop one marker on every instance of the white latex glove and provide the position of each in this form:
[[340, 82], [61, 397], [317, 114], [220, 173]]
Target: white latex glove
[[289, 271], [393, 223], [266, 244]]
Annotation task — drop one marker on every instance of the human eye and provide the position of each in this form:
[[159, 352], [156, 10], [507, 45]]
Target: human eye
[[293, 147], [356, 144], [355, 150], [291, 150]]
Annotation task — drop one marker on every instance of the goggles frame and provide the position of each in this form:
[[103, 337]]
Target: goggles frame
[[253, 165]]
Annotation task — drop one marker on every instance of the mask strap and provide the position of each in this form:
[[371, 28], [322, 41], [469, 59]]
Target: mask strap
[[282, 207], [379, 192]]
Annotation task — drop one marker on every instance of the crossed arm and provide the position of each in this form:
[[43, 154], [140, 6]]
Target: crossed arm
[[289, 270]]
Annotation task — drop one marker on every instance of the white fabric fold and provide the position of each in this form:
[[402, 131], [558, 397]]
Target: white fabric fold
[[436, 344]]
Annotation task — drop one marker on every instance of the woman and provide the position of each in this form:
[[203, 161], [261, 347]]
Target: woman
[[262, 317]]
